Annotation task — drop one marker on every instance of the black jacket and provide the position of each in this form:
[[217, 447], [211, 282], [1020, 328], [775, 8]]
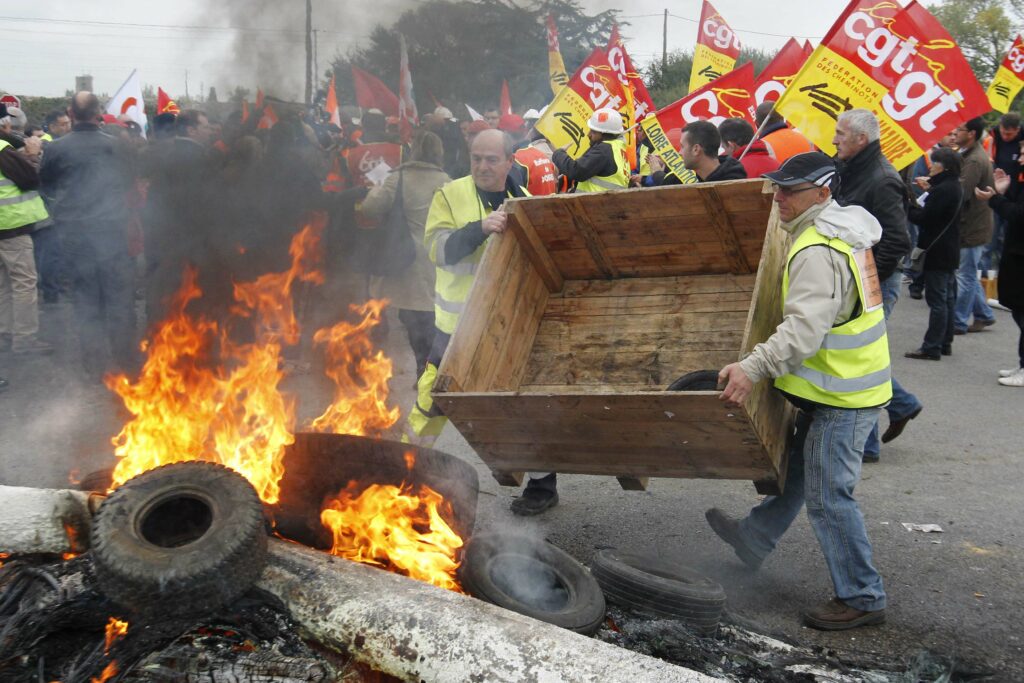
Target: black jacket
[[1006, 155], [941, 212], [597, 161], [85, 177], [1011, 263], [728, 169], [869, 180]]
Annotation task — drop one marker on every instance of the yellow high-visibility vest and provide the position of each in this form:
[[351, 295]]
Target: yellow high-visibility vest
[[616, 181], [18, 208]]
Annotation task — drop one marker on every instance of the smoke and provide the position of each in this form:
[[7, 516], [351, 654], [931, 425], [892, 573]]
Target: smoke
[[270, 49]]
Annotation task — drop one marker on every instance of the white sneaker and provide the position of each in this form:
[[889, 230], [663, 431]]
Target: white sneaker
[[1014, 380], [1009, 373], [994, 303]]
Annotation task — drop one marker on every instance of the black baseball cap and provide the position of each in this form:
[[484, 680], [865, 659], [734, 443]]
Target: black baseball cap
[[809, 167]]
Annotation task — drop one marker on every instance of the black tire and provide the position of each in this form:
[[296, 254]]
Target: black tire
[[557, 589], [181, 539], [651, 585], [701, 380]]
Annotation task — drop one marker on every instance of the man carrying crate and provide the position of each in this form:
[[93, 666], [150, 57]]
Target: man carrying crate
[[830, 357]]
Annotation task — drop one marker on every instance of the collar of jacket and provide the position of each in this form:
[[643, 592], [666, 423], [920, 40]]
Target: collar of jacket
[[944, 177], [804, 220], [771, 128], [862, 159], [80, 126]]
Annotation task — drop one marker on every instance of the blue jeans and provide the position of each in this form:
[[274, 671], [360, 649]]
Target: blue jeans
[[994, 249], [970, 297], [940, 294], [824, 467], [903, 402]]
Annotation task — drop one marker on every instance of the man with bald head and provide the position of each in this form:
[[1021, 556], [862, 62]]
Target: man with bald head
[[85, 178], [463, 214]]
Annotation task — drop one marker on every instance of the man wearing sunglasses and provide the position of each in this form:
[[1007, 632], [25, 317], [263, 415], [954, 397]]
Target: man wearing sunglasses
[[830, 358]]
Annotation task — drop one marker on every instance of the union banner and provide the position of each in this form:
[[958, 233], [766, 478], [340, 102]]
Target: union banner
[[780, 72], [556, 67], [900, 64], [593, 86], [1009, 78], [731, 96], [717, 48]]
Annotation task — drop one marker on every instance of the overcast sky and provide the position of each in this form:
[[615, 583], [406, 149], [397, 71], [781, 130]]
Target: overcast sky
[[109, 38]]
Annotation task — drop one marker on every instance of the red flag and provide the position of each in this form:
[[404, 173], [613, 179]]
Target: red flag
[[332, 104], [259, 98], [407, 114], [506, 99], [731, 96], [245, 110], [268, 120], [808, 50], [780, 72], [371, 93], [629, 77], [164, 103]]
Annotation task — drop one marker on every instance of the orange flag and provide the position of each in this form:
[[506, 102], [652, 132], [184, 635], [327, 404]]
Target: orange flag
[[245, 110], [332, 104], [268, 120], [506, 99]]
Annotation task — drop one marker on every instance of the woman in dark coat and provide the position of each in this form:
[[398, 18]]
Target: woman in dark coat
[[939, 239], [1011, 266]]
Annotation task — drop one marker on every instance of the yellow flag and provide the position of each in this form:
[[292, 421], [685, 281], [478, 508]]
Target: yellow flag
[[1009, 78], [556, 67], [717, 49]]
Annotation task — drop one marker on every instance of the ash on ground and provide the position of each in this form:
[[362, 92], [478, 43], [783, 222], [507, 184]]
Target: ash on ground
[[737, 652], [54, 627]]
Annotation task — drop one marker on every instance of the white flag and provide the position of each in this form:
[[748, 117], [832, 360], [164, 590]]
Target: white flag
[[406, 99], [474, 114], [128, 101]]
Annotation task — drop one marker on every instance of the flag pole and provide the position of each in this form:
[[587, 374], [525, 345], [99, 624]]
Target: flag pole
[[758, 131]]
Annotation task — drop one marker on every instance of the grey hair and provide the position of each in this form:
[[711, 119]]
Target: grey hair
[[862, 122]]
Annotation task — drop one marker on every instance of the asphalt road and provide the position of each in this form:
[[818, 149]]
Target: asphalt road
[[958, 593]]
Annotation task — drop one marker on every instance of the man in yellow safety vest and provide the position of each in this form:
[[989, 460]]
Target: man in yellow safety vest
[[603, 167], [829, 357]]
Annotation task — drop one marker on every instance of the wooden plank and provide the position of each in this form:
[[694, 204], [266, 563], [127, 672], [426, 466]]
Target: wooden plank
[[685, 284], [526, 233], [508, 478], [529, 309], [624, 370], [581, 220], [653, 304], [633, 483], [719, 218]]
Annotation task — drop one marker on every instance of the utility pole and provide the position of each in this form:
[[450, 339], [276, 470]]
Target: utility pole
[[309, 52], [316, 57], [664, 45], [186, 84]]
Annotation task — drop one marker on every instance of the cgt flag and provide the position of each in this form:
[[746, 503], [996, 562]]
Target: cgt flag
[[731, 96], [127, 101], [371, 93], [556, 67], [1009, 78], [593, 86], [899, 63], [717, 48], [780, 72], [164, 103]]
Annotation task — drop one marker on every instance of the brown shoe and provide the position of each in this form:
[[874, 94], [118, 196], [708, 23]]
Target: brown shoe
[[896, 427], [836, 615], [979, 325], [728, 529]]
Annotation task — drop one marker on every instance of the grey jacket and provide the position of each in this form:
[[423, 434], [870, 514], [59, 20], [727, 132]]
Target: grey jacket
[[822, 290]]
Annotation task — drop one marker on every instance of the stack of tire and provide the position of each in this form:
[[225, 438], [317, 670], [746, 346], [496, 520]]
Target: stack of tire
[[658, 588]]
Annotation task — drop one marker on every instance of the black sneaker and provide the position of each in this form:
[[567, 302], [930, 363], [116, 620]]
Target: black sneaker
[[728, 529], [534, 501]]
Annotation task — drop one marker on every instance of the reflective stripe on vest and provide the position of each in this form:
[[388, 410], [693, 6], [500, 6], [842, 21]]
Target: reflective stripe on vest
[[455, 205], [18, 208], [618, 180], [851, 368]]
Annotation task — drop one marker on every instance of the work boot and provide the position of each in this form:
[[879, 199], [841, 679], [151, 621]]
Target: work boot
[[836, 615], [896, 427], [538, 496], [728, 529]]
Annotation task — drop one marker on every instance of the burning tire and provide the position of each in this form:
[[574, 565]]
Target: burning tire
[[532, 577], [649, 584], [180, 539]]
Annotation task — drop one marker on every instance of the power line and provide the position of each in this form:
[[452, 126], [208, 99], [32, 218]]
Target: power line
[[174, 27], [743, 30]]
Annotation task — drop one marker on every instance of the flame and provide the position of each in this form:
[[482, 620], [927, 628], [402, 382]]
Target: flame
[[109, 671], [4, 556], [115, 629], [360, 376], [396, 528]]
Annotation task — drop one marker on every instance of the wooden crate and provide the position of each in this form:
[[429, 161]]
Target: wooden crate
[[588, 308]]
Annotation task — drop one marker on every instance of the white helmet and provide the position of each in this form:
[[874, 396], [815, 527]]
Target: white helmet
[[606, 120]]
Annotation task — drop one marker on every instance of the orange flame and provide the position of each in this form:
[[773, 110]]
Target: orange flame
[[115, 629], [360, 376], [203, 396], [395, 528], [109, 671], [3, 556]]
